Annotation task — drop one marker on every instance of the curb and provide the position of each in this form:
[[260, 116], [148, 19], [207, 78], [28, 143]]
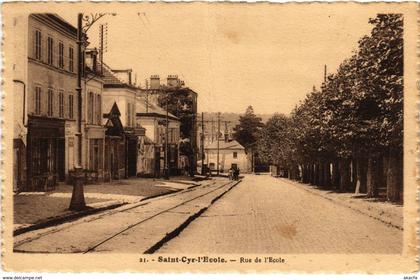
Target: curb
[[174, 233], [65, 218], [360, 210]]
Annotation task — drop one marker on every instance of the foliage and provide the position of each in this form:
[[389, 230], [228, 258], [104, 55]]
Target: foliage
[[357, 111], [247, 131]]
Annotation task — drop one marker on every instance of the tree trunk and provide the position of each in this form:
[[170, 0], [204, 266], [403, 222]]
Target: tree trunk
[[361, 170], [394, 175], [321, 181], [374, 176], [353, 174], [327, 175], [316, 175], [344, 167], [311, 176], [335, 176]]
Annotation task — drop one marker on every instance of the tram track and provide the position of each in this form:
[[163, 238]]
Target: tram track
[[158, 214], [103, 229]]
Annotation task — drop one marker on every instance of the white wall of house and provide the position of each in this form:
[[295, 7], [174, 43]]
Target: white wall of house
[[226, 159], [124, 97]]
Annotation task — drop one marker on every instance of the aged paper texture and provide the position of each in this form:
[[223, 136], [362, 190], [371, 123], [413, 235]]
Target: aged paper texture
[[211, 137]]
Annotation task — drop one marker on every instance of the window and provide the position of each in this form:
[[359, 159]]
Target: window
[[90, 108], [71, 59], [71, 106], [235, 154], [50, 102], [128, 114], [37, 100], [133, 117], [61, 104], [61, 55], [98, 109], [50, 54], [38, 45]]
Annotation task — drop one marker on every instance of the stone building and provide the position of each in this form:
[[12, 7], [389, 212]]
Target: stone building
[[183, 105], [93, 147], [119, 90], [153, 119], [44, 76]]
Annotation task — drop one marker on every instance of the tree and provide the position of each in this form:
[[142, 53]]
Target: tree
[[353, 125], [247, 131]]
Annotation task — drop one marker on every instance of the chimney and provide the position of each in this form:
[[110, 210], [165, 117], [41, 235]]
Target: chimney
[[154, 82], [91, 59], [129, 76], [173, 81]]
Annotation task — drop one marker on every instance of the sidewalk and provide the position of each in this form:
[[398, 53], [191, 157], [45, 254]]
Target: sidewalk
[[386, 212], [39, 209]]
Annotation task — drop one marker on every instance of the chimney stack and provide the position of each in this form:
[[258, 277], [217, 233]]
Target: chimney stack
[[154, 82], [173, 81]]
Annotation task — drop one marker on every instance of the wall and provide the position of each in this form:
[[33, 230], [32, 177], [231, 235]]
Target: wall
[[226, 159], [56, 78], [121, 96]]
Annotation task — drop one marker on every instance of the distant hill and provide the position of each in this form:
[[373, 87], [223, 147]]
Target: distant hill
[[232, 118]]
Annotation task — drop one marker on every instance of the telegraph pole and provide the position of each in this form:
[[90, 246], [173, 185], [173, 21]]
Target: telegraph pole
[[217, 139], [166, 170], [202, 144], [325, 73], [78, 198]]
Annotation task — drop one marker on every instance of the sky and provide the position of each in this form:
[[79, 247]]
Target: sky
[[265, 55]]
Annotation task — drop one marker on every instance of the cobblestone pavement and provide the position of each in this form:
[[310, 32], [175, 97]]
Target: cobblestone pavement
[[132, 228], [265, 215]]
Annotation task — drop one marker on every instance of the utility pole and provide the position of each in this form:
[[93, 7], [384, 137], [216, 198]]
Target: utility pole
[[101, 46], [217, 139], [212, 130], [78, 198], [202, 144], [166, 170], [146, 83], [325, 73]]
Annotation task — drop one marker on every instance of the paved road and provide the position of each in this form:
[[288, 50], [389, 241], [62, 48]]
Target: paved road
[[264, 215]]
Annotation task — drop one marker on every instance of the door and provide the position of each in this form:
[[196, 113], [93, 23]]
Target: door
[[61, 150], [132, 157]]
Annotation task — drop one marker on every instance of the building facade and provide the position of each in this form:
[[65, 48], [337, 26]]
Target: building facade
[[120, 91], [93, 147], [231, 154], [153, 119], [45, 85], [183, 105]]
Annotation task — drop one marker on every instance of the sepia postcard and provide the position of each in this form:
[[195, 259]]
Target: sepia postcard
[[210, 137]]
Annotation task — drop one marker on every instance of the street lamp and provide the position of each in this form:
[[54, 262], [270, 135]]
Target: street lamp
[[84, 22]]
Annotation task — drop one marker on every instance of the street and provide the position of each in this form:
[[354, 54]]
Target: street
[[261, 214]]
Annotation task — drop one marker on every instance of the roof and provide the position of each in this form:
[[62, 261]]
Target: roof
[[230, 145], [153, 110], [111, 80], [56, 20]]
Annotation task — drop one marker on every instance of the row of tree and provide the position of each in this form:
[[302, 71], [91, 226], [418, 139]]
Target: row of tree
[[348, 135]]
